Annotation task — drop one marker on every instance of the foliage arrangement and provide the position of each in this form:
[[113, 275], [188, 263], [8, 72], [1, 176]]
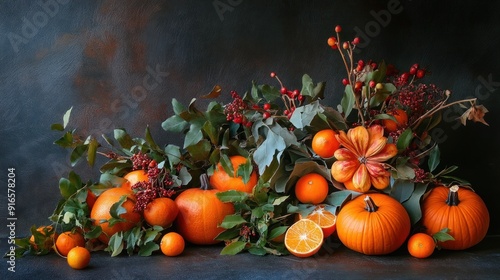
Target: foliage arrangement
[[381, 127]]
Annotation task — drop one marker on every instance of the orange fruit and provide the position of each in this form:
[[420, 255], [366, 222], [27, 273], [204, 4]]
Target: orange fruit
[[401, 118], [200, 214], [161, 211], [311, 188], [134, 177], [48, 241], [69, 240], [421, 245], [222, 181], [324, 143], [100, 212], [172, 244], [325, 219], [78, 258], [304, 238]]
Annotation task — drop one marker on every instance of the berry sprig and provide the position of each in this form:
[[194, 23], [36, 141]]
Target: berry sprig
[[291, 98], [160, 182]]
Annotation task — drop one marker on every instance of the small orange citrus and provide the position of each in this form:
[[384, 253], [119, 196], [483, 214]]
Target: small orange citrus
[[172, 244], [134, 177], [78, 258], [161, 211], [102, 206], [325, 219], [311, 188], [69, 240], [324, 143], [222, 181], [401, 117], [304, 238], [90, 200], [421, 245]]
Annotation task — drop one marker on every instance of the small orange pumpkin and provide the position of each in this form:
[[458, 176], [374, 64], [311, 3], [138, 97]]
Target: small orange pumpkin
[[373, 224], [460, 210], [201, 213]]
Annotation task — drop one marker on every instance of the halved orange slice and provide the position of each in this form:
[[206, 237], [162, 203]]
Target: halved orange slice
[[304, 238], [325, 219]]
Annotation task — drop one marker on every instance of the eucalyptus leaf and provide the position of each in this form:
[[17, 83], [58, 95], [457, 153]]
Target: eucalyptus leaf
[[116, 244], [174, 124], [123, 138], [347, 101], [402, 190], [412, 205]]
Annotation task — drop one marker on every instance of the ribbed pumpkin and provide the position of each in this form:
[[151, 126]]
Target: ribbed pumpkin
[[460, 210], [373, 224], [201, 213]]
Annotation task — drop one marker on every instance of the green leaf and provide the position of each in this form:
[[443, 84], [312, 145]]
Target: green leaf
[[277, 231], [226, 164], [147, 249], [77, 154], [66, 117], [177, 106], [347, 101], [270, 93], [149, 139], [174, 124], [117, 209], [110, 180], [280, 200], [66, 188], [412, 205], [232, 196], [57, 126], [115, 244], [434, 160], [200, 151], [231, 221], [123, 138], [402, 190], [94, 233], [228, 234], [233, 248], [257, 251], [443, 235], [193, 136], [404, 139], [66, 140], [304, 115], [245, 171], [339, 198]]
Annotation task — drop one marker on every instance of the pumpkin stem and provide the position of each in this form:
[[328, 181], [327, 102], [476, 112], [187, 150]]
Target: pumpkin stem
[[370, 205], [204, 182], [453, 196]]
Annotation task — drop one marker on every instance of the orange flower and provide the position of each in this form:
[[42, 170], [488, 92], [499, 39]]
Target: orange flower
[[360, 164]]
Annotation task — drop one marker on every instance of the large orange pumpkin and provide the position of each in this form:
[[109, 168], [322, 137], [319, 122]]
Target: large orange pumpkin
[[460, 210], [100, 212], [373, 224], [201, 213], [222, 181]]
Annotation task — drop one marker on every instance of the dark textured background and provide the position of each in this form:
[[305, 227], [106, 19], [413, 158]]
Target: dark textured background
[[99, 56]]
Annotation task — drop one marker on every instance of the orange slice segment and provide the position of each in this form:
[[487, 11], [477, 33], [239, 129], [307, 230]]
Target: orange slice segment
[[325, 219], [304, 238]]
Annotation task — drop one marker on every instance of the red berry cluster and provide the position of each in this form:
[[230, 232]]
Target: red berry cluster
[[140, 161], [291, 98], [418, 99], [235, 111], [406, 78], [246, 232], [159, 184]]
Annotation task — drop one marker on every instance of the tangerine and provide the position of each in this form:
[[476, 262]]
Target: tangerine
[[172, 244], [311, 188], [69, 240], [304, 238], [101, 212], [324, 143], [421, 245], [78, 258], [401, 120], [133, 178], [161, 211], [222, 181]]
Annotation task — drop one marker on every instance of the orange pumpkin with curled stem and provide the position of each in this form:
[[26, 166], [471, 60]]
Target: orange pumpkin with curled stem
[[373, 224], [460, 210]]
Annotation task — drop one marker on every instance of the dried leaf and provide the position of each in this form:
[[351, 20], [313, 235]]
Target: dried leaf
[[475, 114], [214, 93]]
